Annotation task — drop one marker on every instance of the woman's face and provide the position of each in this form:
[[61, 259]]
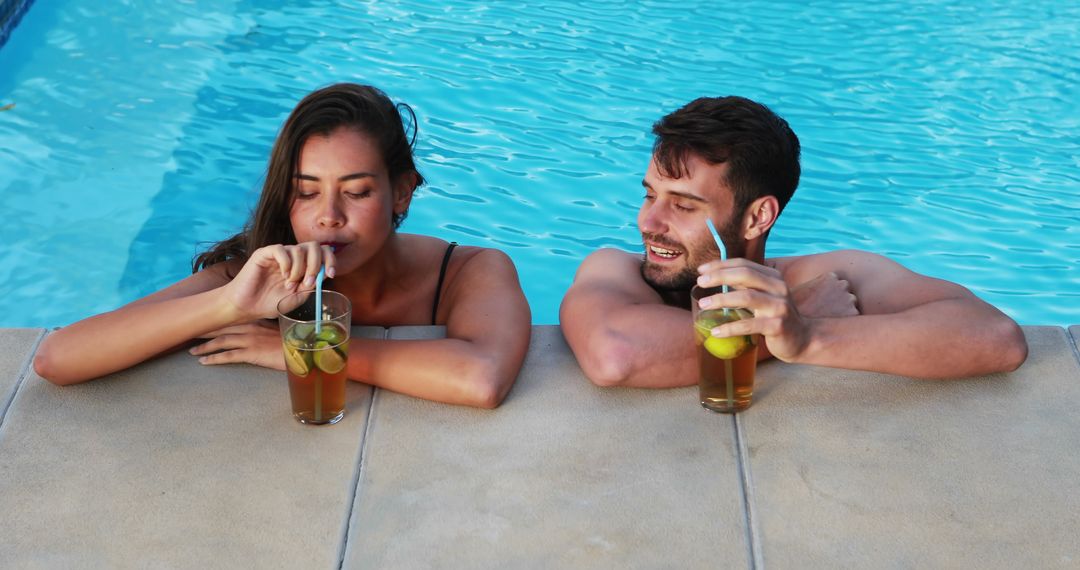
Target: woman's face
[[344, 196]]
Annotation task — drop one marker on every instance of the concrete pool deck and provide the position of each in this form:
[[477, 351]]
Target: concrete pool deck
[[172, 464]]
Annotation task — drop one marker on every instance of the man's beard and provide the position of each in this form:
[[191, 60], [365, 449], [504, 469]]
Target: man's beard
[[686, 278]]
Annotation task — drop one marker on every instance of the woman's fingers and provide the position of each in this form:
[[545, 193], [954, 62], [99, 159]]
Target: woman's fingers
[[329, 261], [298, 266], [313, 257], [261, 349], [223, 342]]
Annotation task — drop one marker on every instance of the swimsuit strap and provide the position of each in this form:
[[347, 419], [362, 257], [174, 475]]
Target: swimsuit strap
[[442, 275]]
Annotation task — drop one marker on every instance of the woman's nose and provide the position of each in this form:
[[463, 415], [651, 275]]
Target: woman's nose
[[331, 216]]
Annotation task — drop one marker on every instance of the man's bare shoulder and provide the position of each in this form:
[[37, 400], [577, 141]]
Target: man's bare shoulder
[[846, 263], [615, 272], [610, 259]]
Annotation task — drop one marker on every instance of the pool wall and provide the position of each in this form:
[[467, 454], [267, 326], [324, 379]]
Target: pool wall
[[10, 13]]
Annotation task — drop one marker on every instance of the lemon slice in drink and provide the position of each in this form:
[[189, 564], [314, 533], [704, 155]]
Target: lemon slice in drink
[[327, 359], [727, 348], [294, 360]]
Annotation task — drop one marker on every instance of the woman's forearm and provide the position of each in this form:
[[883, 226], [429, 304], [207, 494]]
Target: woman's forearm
[[119, 339]]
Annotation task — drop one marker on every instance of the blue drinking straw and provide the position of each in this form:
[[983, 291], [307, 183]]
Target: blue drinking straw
[[318, 298], [723, 255], [719, 244]]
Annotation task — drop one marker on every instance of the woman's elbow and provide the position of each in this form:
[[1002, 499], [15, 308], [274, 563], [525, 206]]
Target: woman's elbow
[[487, 385], [46, 366]]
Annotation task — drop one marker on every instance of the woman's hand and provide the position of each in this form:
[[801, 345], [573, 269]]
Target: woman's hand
[[273, 272], [257, 343]]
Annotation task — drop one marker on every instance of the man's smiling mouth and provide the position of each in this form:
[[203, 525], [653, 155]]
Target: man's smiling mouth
[[663, 252]]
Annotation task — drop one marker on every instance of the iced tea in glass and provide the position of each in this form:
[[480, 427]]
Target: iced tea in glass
[[316, 348], [725, 365]]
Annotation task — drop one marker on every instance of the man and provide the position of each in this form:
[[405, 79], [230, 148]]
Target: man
[[734, 161]]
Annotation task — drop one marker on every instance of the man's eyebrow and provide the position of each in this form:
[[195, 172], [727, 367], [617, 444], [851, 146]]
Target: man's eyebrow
[[692, 197], [353, 176]]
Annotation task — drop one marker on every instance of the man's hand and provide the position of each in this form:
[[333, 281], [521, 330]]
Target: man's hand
[[825, 296], [762, 290]]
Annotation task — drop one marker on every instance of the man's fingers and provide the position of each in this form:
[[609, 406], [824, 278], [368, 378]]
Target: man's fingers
[[745, 277], [753, 299], [765, 326], [737, 262]]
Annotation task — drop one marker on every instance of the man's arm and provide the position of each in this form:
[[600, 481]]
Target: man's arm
[[910, 324], [620, 330]]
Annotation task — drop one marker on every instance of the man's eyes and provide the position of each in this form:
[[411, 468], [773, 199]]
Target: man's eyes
[[680, 206]]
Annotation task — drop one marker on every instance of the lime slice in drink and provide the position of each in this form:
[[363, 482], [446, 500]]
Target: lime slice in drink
[[296, 362], [327, 359], [301, 332], [727, 348], [330, 334]]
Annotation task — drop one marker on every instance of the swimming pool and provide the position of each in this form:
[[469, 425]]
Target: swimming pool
[[944, 135]]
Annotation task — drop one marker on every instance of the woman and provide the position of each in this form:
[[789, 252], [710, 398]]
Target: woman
[[339, 183]]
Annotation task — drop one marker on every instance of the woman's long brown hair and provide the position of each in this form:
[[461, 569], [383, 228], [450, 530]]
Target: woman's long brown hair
[[362, 107]]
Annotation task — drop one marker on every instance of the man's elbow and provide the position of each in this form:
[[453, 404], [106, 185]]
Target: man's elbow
[[1012, 346], [605, 361]]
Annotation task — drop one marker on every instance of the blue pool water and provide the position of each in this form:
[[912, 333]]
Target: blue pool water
[[945, 135]]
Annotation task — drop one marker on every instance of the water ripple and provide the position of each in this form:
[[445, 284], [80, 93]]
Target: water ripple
[[946, 138]]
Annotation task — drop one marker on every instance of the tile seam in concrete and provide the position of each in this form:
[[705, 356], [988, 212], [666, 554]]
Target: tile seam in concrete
[[1073, 345], [347, 527], [359, 470], [746, 482], [24, 371]]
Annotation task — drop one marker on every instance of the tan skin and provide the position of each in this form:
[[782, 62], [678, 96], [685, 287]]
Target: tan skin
[[343, 197], [843, 309]]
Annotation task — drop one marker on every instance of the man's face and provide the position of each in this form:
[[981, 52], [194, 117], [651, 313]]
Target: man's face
[[672, 223]]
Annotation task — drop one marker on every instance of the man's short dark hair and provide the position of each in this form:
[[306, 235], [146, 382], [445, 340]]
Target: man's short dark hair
[[760, 149]]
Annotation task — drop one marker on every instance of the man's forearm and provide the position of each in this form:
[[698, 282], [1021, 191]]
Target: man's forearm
[[643, 346], [951, 338]]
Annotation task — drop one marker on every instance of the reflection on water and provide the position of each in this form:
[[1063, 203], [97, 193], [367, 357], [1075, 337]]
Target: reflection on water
[[945, 138]]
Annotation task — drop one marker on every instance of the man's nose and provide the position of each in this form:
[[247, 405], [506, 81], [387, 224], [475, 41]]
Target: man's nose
[[651, 219]]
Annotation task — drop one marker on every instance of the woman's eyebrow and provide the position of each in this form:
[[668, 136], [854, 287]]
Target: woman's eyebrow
[[353, 176]]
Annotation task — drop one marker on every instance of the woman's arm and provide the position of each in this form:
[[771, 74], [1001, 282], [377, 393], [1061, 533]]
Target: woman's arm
[[487, 336], [136, 332], [162, 321]]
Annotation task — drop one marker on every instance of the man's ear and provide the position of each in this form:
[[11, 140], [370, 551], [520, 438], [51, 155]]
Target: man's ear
[[760, 217], [404, 187]]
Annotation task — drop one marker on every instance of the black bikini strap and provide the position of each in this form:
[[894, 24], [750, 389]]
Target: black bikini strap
[[442, 275]]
